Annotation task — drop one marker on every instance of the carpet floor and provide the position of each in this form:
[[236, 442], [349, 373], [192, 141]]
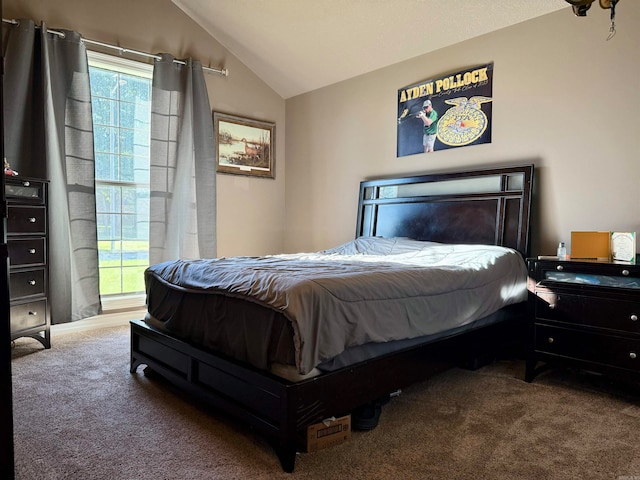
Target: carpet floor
[[80, 414]]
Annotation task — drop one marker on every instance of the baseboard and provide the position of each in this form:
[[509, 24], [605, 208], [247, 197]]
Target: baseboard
[[99, 321]]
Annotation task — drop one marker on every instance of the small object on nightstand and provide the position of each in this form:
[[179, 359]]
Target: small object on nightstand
[[591, 245], [623, 246], [562, 251]]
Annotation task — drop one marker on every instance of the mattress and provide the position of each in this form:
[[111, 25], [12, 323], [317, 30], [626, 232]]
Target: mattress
[[307, 310]]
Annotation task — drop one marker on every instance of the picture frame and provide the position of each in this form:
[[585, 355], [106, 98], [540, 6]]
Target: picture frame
[[244, 146]]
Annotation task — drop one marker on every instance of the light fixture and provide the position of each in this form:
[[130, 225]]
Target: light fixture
[[580, 8]]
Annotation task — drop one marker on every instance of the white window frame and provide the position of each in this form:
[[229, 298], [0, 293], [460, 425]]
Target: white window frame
[[124, 302], [119, 64]]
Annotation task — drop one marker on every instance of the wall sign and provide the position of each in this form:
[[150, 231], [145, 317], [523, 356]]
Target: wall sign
[[446, 112]]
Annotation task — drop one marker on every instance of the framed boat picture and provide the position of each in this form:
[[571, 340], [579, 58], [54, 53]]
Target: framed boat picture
[[244, 146]]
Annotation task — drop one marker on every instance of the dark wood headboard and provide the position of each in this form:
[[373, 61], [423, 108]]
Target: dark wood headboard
[[489, 207]]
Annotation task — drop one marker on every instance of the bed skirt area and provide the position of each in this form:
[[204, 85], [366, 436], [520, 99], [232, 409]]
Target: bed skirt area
[[351, 356], [281, 409]]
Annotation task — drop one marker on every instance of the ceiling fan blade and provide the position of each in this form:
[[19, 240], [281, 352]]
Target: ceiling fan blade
[[580, 3]]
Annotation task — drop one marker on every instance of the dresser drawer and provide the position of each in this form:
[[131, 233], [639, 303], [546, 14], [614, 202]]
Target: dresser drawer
[[28, 315], [26, 252], [590, 311], [29, 283], [25, 190], [610, 350], [27, 220]]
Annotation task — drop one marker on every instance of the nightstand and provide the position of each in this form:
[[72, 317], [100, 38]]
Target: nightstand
[[584, 314]]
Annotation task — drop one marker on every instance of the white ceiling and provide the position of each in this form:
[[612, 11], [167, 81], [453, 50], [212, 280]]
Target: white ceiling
[[296, 46]]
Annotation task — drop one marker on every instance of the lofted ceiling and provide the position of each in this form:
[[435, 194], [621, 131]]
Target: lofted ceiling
[[296, 46]]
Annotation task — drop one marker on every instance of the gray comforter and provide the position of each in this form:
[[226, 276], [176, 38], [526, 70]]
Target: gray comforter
[[367, 290]]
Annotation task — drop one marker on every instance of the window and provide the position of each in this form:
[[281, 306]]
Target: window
[[121, 101]]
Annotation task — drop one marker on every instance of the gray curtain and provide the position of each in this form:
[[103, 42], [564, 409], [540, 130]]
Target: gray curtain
[[183, 171], [23, 104], [50, 136]]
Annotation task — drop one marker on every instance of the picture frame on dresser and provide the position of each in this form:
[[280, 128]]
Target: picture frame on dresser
[[584, 314]]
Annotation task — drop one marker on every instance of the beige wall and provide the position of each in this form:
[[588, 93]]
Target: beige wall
[[250, 210], [563, 98]]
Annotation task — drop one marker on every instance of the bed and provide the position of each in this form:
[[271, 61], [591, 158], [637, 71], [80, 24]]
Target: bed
[[342, 327]]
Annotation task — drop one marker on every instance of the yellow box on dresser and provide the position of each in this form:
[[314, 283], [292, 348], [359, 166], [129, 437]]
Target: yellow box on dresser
[[591, 245]]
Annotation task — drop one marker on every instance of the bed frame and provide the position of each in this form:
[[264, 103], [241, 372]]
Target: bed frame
[[486, 206]]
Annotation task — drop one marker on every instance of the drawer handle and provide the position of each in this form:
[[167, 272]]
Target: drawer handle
[[25, 184], [625, 272], [550, 340], [34, 314], [634, 317], [559, 268], [32, 251], [32, 219], [632, 355], [32, 282]]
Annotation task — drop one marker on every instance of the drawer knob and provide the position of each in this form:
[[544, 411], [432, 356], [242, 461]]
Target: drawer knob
[[550, 340], [32, 251], [32, 282], [26, 183], [34, 314], [625, 272], [32, 219], [559, 268], [634, 317], [632, 355]]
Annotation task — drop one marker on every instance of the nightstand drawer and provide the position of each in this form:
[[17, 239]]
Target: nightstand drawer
[[28, 315], [595, 348], [26, 252], [27, 284], [588, 274], [590, 311], [25, 190], [26, 220]]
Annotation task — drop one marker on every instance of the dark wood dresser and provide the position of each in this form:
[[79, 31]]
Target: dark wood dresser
[[584, 314], [27, 244]]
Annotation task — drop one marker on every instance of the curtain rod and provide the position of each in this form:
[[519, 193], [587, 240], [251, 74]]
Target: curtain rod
[[221, 71]]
